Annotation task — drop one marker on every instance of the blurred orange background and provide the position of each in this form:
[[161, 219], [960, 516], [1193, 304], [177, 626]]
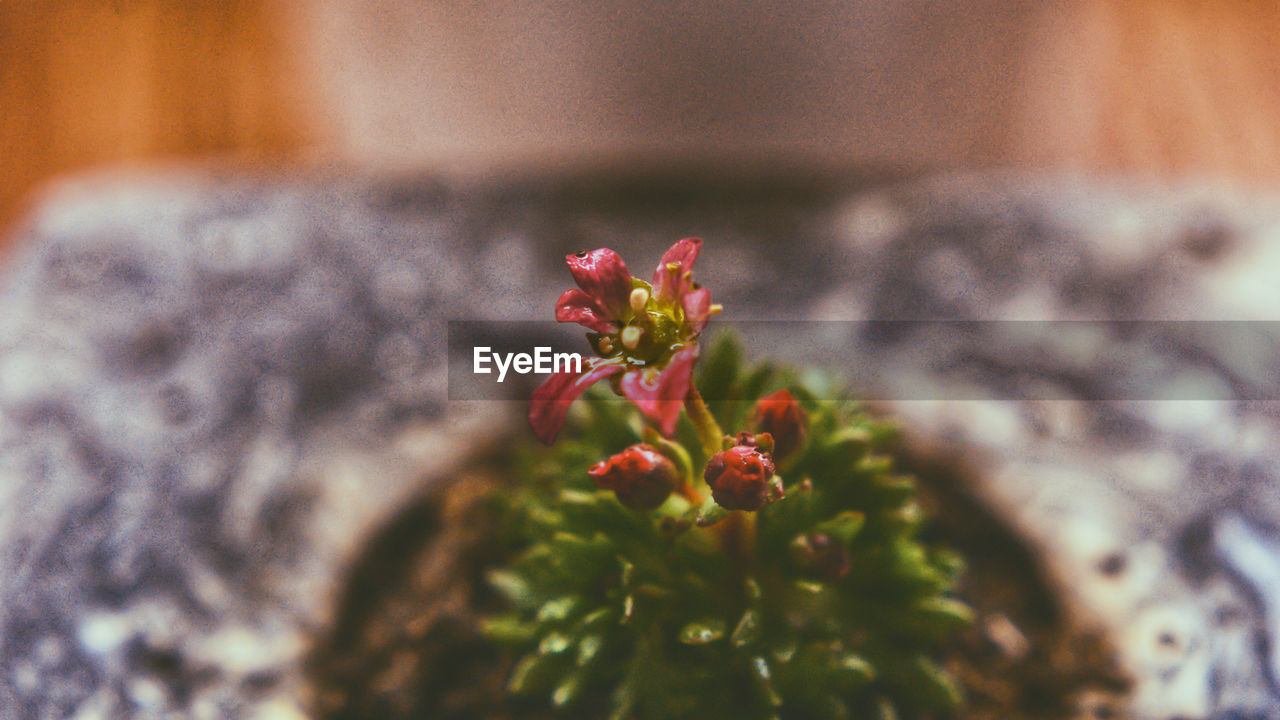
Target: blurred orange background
[[1157, 88], [87, 84]]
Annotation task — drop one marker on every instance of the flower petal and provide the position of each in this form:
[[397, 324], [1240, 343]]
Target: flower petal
[[603, 275], [674, 274], [552, 399], [660, 395], [697, 308], [577, 306]]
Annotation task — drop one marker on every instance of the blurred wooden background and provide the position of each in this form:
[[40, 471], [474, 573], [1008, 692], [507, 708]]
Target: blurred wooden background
[[1153, 87], [90, 83], [1150, 87]]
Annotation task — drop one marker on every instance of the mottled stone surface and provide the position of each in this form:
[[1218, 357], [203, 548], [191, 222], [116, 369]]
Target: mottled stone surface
[[213, 390], [1155, 508]]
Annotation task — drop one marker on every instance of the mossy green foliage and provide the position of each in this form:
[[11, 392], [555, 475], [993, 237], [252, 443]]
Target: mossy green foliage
[[685, 612]]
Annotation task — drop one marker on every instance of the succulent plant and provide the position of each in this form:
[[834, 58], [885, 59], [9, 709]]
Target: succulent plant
[[633, 593]]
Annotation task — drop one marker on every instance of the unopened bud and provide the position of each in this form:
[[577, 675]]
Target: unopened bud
[[782, 417], [640, 476], [741, 478]]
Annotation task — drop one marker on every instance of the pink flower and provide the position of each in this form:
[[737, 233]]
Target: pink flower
[[646, 335], [603, 301]]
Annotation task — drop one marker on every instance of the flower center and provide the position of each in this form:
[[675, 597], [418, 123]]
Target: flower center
[[650, 336]]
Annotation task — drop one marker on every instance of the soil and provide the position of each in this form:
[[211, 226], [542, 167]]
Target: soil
[[1024, 656], [404, 644]]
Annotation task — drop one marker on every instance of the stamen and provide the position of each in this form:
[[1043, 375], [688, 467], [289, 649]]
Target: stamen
[[639, 298], [716, 308], [606, 346], [631, 337]]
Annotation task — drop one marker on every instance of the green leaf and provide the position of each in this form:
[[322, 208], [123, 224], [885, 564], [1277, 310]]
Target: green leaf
[[701, 632], [509, 629], [586, 499], [883, 433], [895, 489], [532, 673], [833, 707], [936, 688], [577, 546], [512, 586], [588, 648], [710, 513], [852, 671], [719, 369], [558, 609], [844, 527], [878, 466], [554, 643], [673, 451], [624, 695], [760, 668], [702, 543], [654, 590], [940, 616], [754, 384], [809, 587], [905, 519], [948, 562], [596, 618], [589, 514], [569, 691], [747, 631], [847, 444], [544, 518], [785, 651]]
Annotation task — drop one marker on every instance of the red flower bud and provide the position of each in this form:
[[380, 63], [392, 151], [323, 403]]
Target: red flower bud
[[640, 476], [782, 417], [741, 478]]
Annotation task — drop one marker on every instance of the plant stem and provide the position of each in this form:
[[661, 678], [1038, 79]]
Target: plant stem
[[709, 432], [748, 530], [738, 538], [738, 531], [690, 493]]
